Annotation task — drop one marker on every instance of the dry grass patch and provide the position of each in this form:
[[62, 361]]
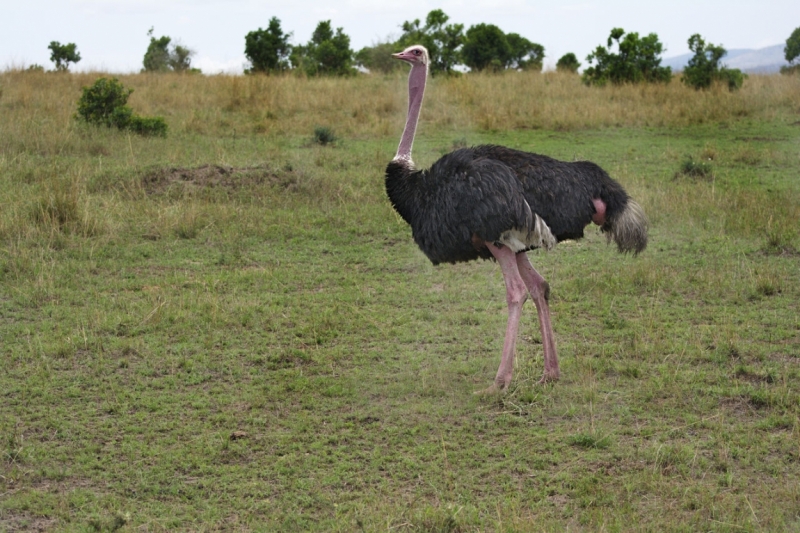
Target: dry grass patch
[[374, 105]]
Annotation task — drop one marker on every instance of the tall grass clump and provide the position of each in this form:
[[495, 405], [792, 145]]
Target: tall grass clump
[[696, 169], [324, 135], [60, 208]]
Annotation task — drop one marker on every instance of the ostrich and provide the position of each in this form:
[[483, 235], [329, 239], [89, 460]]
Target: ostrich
[[495, 202]]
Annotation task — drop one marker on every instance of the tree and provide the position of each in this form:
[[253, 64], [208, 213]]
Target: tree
[[327, 53], [378, 58], [792, 49], [704, 67], [525, 55], [791, 52], [268, 50], [638, 60], [63, 54], [181, 59], [160, 57], [568, 63], [156, 58], [486, 47], [441, 39]]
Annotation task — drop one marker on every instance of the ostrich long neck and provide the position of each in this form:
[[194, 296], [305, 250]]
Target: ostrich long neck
[[416, 90]]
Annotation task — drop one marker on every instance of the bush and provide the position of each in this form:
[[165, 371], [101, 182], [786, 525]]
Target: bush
[[154, 126], [790, 69], [704, 67], [568, 63], [105, 104], [733, 77], [638, 60], [378, 58]]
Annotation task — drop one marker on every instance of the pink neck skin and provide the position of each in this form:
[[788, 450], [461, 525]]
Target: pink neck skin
[[416, 89]]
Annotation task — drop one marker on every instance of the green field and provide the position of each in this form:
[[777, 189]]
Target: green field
[[231, 330]]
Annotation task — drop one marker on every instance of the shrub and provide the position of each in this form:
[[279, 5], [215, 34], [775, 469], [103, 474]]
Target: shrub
[[568, 63], [324, 135], [790, 69], [704, 67], [154, 126], [638, 60], [378, 58], [105, 104]]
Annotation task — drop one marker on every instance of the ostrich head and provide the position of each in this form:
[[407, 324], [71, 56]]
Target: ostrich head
[[415, 55]]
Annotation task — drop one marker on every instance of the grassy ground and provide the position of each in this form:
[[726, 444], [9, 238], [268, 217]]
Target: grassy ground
[[230, 329]]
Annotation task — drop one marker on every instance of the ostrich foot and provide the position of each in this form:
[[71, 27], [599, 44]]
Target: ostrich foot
[[549, 377], [493, 390]]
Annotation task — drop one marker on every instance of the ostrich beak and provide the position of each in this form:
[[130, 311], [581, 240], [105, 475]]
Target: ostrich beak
[[404, 56]]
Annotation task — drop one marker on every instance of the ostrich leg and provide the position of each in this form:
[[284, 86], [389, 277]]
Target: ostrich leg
[[540, 291], [516, 294]]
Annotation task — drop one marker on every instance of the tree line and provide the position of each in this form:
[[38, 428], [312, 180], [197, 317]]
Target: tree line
[[481, 47], [626, 57]]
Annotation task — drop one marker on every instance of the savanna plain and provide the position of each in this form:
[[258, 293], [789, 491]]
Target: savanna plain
[[229, 329]]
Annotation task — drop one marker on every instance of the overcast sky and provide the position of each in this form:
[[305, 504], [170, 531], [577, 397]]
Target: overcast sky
[[111, 35]]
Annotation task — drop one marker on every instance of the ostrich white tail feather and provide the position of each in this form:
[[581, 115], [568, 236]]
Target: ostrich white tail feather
[[629, 228]]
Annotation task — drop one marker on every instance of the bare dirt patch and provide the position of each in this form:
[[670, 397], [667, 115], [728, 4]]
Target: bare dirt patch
[[209, 176], [25, 522]]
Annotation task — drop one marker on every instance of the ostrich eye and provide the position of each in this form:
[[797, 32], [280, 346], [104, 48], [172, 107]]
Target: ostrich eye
[[417, 52]]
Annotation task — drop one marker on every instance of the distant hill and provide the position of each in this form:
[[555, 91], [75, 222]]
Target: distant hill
[[767, 60]]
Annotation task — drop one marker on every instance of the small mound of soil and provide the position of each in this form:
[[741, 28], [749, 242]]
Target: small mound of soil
[[160, 180]]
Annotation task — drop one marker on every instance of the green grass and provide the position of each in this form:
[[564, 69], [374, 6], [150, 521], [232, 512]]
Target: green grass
[[151, 308]]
